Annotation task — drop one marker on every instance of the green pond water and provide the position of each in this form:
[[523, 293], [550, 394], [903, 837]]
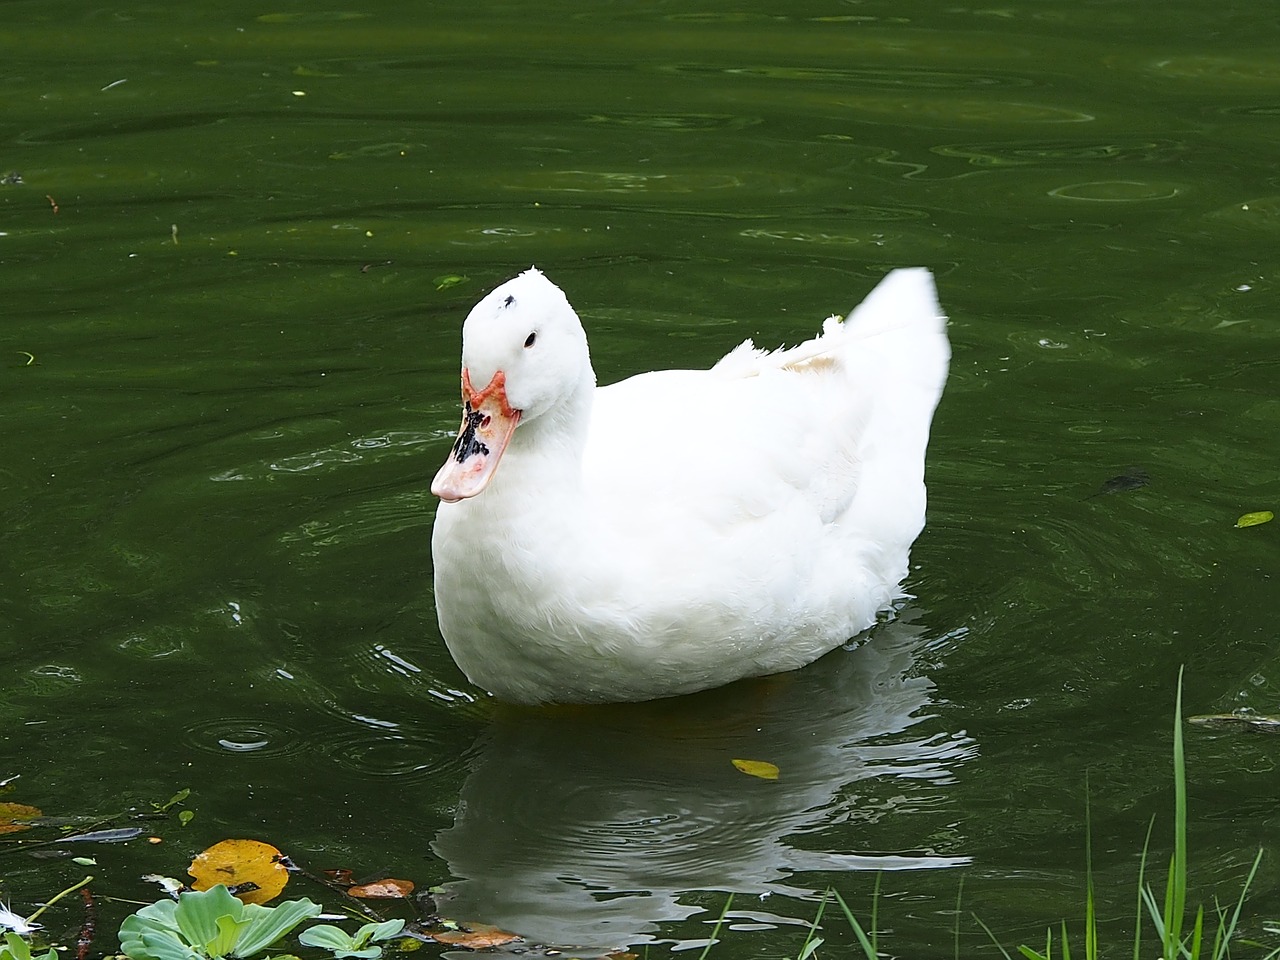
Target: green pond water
[[237, 244]]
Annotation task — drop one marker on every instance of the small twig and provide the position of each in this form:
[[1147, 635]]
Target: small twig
[[362, 908], [90, 925], [71, 889], [132, 903]]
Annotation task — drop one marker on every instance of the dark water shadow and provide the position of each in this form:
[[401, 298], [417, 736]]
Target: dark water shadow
[[585, 827]]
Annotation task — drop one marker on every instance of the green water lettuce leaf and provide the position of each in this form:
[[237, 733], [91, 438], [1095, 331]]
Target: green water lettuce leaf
[[342, 944], [269, 924], [15, 948], [209, 924]]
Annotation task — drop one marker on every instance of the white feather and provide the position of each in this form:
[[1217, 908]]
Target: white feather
[[18, 924], [684, 528]]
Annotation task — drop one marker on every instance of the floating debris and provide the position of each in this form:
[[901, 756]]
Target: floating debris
[[1131, 479], [1245, 722]]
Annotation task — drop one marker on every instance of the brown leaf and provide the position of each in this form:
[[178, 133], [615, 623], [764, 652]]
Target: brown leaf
[[238, 863], [11, 812], [477, 937], [382, 889]]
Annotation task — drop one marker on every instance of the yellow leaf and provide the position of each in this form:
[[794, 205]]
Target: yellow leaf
[[758, 768], [240, 862], [1255, 518]]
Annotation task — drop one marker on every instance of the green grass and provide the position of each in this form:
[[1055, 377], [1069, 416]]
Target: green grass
[[1181, 937], [1204, 935]]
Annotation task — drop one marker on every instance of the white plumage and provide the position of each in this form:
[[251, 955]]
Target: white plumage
[[683, 528]]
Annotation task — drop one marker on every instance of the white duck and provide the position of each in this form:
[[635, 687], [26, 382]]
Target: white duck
[[684, 528]]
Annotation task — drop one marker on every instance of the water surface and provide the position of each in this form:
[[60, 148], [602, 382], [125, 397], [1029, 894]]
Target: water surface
[[237, 250]]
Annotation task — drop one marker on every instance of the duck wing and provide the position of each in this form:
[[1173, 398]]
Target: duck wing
[[830, 432]]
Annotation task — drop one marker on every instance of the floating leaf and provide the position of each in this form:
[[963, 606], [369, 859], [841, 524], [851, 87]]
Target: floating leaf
[[173, 801], [477, 936], [758, 768], [12, 815], [445, 281], [237, 863], [1255, 518], [382, 890]]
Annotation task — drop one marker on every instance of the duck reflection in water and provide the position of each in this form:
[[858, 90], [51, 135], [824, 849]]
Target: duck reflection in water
[[585, 827]]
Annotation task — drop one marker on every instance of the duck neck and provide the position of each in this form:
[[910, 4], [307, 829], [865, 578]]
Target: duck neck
[[544, 459]]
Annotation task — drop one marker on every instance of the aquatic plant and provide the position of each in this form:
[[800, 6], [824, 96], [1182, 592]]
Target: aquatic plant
[[1181, 937], [342, 944], [209, 925], [15, 948]]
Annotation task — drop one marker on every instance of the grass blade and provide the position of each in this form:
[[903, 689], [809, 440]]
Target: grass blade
[[1177, 898], [715, 931], [867, 944], [811, 939], [1142, 886], [1090, 914], [1224, 935], [978, 920], [875, 916]]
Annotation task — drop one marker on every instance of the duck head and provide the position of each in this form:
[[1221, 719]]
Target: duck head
[[524, 356]]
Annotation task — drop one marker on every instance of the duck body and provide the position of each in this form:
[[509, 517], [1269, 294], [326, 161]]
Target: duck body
[[684, 528]]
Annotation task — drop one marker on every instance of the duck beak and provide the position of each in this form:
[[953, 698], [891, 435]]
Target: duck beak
[[488, 421]]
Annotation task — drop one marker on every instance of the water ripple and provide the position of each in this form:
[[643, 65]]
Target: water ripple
[[387, 754], [675, 121], [263, 738], [1118, 191], [1027, 152], [888, 78], [327, 459], [366, 521]]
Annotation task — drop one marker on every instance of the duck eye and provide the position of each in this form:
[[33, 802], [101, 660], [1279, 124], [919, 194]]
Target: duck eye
[[528, 341]]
